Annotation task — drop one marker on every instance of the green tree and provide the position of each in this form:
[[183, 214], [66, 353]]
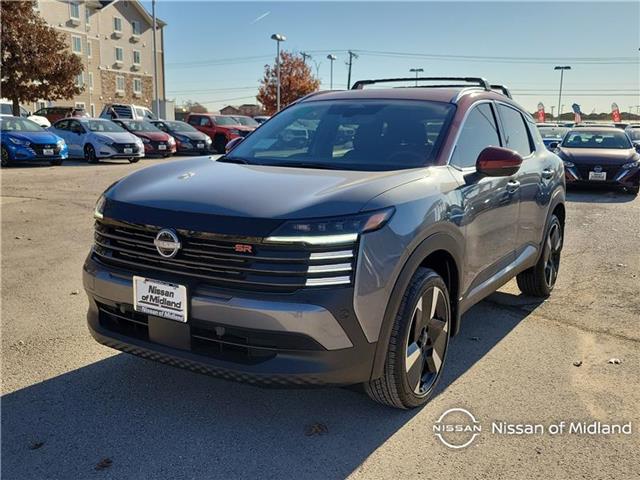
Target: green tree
[[296, 80], [36, 62]]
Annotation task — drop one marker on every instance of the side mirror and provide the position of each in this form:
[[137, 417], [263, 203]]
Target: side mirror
[[637, 146], [554, 145], [498, 162], [233, 143]]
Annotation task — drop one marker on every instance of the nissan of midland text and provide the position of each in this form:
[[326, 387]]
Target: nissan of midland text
[[346, 257]]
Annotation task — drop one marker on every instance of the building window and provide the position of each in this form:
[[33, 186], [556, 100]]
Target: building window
[[76, 44], [90, 79], [74, 10], [137, 85], [89, 52], [79, 80], [117, 24], [119, 83], [80, 105], [136, 57], [119, 54], [87, 16], [41, 104], [135, 25]]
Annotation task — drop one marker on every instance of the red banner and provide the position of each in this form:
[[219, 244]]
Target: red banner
[[541, 115], [615, 112]]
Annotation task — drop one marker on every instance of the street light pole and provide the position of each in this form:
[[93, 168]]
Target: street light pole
[[278, 37], [331, 59], [155, 58], [562, 68], [416, 71]]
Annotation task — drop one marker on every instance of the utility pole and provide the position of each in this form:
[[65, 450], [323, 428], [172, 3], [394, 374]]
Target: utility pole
[[562, 69], [350, 63], [305, 55], [552, 108], [155, 58]]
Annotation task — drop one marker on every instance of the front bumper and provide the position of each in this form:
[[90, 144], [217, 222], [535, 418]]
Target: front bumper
[[616, 176], [304, 338], [109, 152], [27, 154], [189, 147]]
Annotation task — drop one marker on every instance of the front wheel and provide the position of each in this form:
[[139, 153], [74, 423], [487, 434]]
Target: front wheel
[[634, 190], [90, 154], [418, 344], [5, 159], [56, 163], [220, 144], [539, 280]]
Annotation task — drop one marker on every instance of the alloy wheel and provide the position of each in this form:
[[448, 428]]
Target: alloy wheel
[[552, 255], [427, 341], [5, 157]]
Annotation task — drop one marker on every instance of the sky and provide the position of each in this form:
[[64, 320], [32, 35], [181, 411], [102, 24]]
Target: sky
[[215, 52]]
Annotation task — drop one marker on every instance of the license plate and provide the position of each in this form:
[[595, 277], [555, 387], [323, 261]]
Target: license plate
[[47, 151], [162, 299], [200, 145], [128, 150], [600, 176], [162, 147]]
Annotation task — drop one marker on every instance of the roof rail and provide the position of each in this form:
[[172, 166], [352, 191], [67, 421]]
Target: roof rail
[[502, 89], [481, 82]]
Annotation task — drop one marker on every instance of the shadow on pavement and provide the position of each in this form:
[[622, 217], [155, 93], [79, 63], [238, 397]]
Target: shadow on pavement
[[154, 421], [586, 194]]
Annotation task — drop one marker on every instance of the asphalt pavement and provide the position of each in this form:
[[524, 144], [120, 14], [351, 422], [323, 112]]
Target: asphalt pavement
[[73, 409]]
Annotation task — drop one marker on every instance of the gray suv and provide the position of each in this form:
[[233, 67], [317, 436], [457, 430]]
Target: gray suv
[[346, 257]]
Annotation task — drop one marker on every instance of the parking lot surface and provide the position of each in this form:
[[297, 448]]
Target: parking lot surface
[[74, 409]]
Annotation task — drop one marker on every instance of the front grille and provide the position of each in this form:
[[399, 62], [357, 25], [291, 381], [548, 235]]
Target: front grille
[[119, 147], [583, 171], [216, 341], [247, 264], [155, 144], [38, 148]]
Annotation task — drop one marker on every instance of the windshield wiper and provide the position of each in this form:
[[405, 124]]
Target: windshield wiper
[[240, 160], [322, 166]]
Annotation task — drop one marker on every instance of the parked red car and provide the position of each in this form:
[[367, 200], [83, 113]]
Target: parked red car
[[221, 128], [53, 114], [156, 142]]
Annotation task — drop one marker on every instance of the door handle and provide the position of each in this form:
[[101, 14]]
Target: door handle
[[547, 173], [512, 186]]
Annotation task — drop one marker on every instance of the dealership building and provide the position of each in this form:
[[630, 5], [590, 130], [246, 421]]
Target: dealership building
[[114, 39]]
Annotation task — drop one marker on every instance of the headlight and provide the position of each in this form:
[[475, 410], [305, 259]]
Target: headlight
[[60, 143], [567, 163], [99, 208], [171, 141], [635, 163], [104, 140], [144, 140], [208, 140], [20, 142], [326, 231]]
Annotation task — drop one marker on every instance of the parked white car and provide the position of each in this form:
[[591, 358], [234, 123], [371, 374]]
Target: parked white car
[[95, 138], [6, 108]]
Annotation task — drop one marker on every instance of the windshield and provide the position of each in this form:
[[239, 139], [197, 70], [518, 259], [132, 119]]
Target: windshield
[[634, 133], [140, 126], [350, 135], [17, 124], [103, 126], [247, 121], [552, 132], [180, 127], [613, 139], [226, 120]]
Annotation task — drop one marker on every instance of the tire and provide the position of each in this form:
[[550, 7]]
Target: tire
[[539, 280], [56, 163], [634, 190], [134, 160], [219, 144], [5, 157], [419, 338], [90, 154]]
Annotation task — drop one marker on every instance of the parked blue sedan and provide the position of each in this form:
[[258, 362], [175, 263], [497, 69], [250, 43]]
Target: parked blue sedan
[[25, 141]]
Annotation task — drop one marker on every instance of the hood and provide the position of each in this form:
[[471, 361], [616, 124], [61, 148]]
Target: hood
[[598, 156], [155, 136], [118, 137], [230, 192], [35, 137]]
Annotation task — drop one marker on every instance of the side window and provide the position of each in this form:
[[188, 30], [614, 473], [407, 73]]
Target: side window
[[62, 125], [193, 120], [516, 133], [205, 122], [478, 132]]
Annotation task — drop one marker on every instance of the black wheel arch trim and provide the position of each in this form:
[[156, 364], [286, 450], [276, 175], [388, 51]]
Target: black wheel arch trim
[[434, 242]]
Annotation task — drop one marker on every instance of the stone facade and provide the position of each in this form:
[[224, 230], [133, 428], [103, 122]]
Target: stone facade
[[116, 39]]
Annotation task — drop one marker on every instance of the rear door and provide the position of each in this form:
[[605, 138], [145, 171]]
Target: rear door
[[489, 204]]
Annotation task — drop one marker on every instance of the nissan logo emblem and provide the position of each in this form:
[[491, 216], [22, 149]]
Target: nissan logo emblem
[[167, 243]]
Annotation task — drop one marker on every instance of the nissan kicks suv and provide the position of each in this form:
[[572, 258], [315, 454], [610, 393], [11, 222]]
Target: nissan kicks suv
[[348, 258]]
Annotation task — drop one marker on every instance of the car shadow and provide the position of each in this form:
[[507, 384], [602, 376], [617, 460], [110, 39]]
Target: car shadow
[[586, 194], [155, 421]]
